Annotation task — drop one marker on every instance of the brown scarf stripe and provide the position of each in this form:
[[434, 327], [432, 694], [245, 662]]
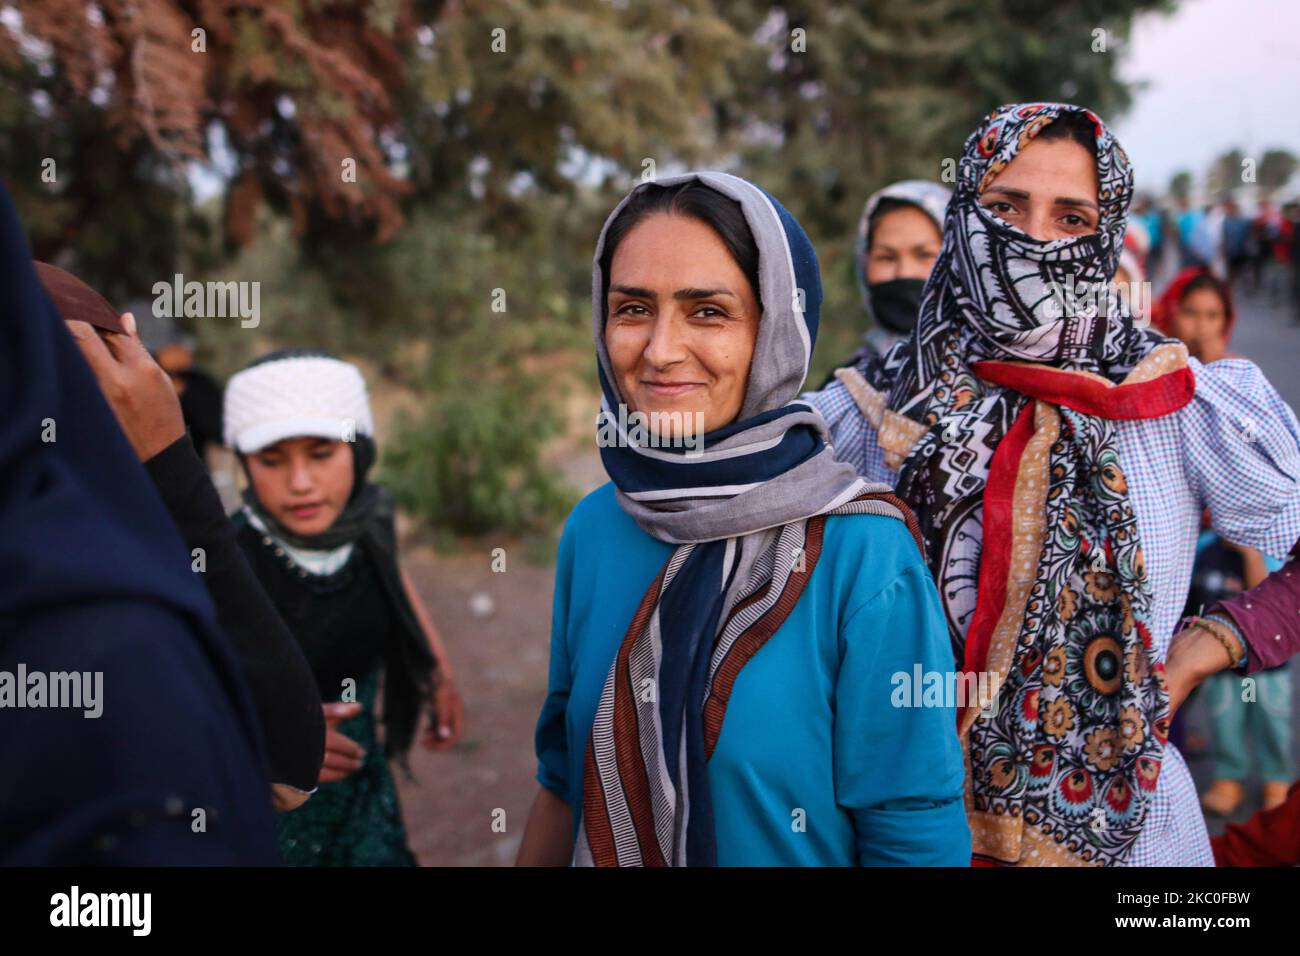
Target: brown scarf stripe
[[757, 634], [595, 820], [631, 766], [631, 762]]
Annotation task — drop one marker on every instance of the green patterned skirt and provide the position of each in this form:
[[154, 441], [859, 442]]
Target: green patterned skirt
[[356, 821]]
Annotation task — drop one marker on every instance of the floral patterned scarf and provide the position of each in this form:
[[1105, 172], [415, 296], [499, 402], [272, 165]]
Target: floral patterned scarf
[[999, 412]]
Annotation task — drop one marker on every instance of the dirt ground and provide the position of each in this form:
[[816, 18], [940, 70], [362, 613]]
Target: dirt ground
[[468, 806], [499, 657]]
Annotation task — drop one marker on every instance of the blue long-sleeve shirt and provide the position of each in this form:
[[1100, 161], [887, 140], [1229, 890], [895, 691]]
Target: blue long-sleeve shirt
[[815, 765]]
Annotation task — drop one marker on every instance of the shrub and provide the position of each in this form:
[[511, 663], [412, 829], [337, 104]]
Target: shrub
[[470, 460]]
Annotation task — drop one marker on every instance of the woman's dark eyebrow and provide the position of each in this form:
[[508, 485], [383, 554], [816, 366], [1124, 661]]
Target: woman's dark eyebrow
[[1003, 190], [1059, 201], [640, 293], [633, 290], [702, 293]]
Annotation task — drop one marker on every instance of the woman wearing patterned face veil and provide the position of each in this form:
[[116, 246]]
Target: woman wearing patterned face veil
[[1058, 459], [95, 580]]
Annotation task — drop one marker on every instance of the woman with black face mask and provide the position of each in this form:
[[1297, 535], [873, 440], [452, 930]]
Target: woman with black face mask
[[898, 241]]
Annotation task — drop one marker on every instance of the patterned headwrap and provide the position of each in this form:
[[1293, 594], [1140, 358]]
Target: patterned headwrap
[[999, 412], [747, 513]]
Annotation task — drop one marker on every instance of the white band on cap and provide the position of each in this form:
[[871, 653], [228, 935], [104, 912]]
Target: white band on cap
[[293, 397]]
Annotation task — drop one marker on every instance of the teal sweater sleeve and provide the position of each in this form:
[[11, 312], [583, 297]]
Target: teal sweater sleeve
[[899, 769], [550, 739]]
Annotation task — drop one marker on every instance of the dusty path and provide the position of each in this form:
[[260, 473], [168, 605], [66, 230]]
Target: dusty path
[[500, 662]]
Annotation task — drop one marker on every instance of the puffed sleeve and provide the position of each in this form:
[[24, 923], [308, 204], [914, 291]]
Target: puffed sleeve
[[899, 770], [853, 439], [1241, 445], [1267, 617], [551, 737]]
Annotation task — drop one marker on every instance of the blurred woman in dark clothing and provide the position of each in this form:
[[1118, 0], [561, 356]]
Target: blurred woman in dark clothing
[[95, 579]]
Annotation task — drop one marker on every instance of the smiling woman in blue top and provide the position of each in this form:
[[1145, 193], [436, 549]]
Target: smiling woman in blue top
[[731, 611]]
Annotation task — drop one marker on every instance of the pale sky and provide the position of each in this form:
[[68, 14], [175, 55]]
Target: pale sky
[[1220, 73]]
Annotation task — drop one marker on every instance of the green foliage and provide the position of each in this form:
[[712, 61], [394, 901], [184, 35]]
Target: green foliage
[[489, 307], [508, 161], [580, 89], [1180, 184], [470, 460], [1225, 174], [123, 212], [1275, 168]]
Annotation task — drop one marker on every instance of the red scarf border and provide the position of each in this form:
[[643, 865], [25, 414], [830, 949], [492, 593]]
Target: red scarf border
[[631, 766], [1087, 394], [1090, 394], [995, 562]]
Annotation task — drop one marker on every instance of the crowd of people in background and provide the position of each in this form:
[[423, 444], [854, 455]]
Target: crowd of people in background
[[909, 482], [1255, 248]]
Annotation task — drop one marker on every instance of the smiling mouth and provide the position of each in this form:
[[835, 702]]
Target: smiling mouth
[[670, 389]]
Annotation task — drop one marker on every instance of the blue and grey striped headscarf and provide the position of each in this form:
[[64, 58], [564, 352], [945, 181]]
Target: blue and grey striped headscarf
[[746, 511], [770, 466]]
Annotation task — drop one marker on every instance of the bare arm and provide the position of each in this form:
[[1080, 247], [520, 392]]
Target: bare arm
[[1194, 654], [548, 835], [1264, 616], [446, 698]]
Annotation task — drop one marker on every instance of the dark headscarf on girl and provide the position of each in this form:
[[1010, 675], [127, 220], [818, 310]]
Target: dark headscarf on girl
[[368, 522], [94, 575], [999, 412], [1162, 316]]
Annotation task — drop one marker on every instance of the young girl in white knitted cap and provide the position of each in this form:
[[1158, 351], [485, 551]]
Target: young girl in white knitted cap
[[321, 539]]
